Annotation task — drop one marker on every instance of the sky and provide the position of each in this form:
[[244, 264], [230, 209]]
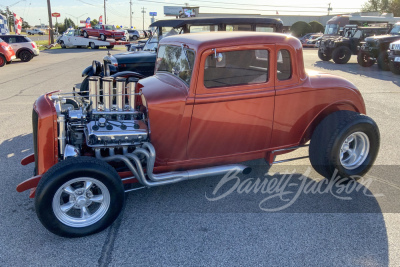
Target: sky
[[35, 12]]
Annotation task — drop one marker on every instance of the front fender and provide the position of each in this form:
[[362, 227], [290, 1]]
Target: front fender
[[88, 71]]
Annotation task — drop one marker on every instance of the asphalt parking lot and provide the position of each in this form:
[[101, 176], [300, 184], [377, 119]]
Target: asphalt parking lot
[[180, 224]]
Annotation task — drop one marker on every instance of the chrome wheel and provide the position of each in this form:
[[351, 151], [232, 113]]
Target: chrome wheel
[[354, 150], [81, 202]]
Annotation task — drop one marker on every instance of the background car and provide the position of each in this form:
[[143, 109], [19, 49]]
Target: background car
[[126, 36], [7, 54], [142, 34], [25, 49], [311, 41], [133, 35], [34, 31]]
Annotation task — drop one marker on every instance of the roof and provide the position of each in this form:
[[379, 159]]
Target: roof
[[212, 20], [200, 41]]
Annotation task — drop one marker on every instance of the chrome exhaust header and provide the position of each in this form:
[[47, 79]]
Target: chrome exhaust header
[[107, 92], [120, 94], [94, 90]]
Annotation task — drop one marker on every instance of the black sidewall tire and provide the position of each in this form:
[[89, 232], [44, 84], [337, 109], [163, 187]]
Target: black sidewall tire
[[336, 55], [103, 37], [25, 56], [394, 68], [383, 61], [328, 137], [364, 60], [92, 45], [79, 167], [323, 56], [63, 45], [2, 60], [370, 131]]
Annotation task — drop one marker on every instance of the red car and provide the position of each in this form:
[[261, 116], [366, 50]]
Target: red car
[[216, 99], [7, 54], [103, 32]]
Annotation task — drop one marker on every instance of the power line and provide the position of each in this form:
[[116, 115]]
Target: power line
[[251, 9]]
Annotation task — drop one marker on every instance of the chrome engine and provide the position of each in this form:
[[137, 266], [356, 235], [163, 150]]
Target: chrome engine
[[106, 121]]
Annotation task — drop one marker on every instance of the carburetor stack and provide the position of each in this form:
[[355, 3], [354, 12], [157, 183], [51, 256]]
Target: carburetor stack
[[106, 121]]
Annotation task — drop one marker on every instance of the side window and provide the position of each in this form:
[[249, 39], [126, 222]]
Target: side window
[[236, 68], [12, 40], [284, 66]]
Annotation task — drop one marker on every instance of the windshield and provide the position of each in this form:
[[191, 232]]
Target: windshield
[[152, 43], [1, 40], [173, 60], [395, 30], [109, 27], [331, 29]]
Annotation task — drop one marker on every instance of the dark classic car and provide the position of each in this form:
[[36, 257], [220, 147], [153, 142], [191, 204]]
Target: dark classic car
[[216, 99], [140, 62]]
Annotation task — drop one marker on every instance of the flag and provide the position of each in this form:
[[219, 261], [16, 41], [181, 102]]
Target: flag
[[17, 24], [88, 23], [101, 19], [3, 25]]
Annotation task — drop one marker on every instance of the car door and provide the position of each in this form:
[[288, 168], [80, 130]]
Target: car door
[[234, 102]]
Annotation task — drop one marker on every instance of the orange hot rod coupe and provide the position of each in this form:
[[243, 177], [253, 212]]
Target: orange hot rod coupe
[[216, 99]]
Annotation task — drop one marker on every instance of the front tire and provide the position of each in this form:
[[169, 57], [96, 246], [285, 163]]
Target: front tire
[[85, 34], [103, 37], [394, 68], [341, 55], [345, 141], [63, 46], [79, 196], [92, 45], [364, 60], [323, 56], [2, 60], [383, 61]]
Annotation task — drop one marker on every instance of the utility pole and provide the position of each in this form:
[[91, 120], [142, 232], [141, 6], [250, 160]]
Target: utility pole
[[50, 22], [105, 18], [329, 8], [130, 13], [143, 11]]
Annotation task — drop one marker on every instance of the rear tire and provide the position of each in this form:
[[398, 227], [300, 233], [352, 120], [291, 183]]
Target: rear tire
[[79, 196], [25, 56], [383, 61], [394, 68], [134, 38], [323, 56], [103, 37], [85, 34], [341, 55], [364, 59], [2, 60], [63, 46], [345, 141], [92, 45]]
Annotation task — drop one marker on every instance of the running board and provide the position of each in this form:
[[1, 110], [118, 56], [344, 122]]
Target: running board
[[286, 149]]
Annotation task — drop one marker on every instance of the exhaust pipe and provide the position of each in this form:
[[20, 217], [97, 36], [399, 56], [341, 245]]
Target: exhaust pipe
[[168, 177]]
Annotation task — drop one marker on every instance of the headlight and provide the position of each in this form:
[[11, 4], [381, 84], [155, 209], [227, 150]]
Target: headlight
[[96, 65]]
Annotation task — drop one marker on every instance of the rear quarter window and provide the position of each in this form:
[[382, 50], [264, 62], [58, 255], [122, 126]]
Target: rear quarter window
[[236, 68], [284, 65]]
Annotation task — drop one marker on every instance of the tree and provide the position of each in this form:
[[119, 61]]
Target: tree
[[300, 28], [69, 23], [25, 25], [394, 7], [383, 6], [94, 22], [316, 26], [10, 17]]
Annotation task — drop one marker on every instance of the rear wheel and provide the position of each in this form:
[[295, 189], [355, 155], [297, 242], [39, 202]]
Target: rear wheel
[[63, 46], [103, 37], [25, 56], [323, 56], [364, 59], [92, 45], [79, 196], [341, 55], [346, 142], [85, 34], [383, 61], [2, 61], [134, 38]]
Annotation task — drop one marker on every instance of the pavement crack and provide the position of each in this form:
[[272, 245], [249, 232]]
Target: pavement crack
[[108, 246]]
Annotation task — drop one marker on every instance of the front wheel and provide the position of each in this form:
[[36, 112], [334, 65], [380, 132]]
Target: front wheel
[[103, 37], [79, 196], [341, 55], [323, 56], [2, 61], [92, 45], [364, 59], [383, 61], [63, 46], [345, 142], [85, 34]]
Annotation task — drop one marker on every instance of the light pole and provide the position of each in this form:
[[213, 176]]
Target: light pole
[[76, 17], [40, 23]]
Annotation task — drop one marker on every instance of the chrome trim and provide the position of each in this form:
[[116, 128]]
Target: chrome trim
[[107, 92], [94, 87], [61, 133], [71, 151], [120, 94]]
